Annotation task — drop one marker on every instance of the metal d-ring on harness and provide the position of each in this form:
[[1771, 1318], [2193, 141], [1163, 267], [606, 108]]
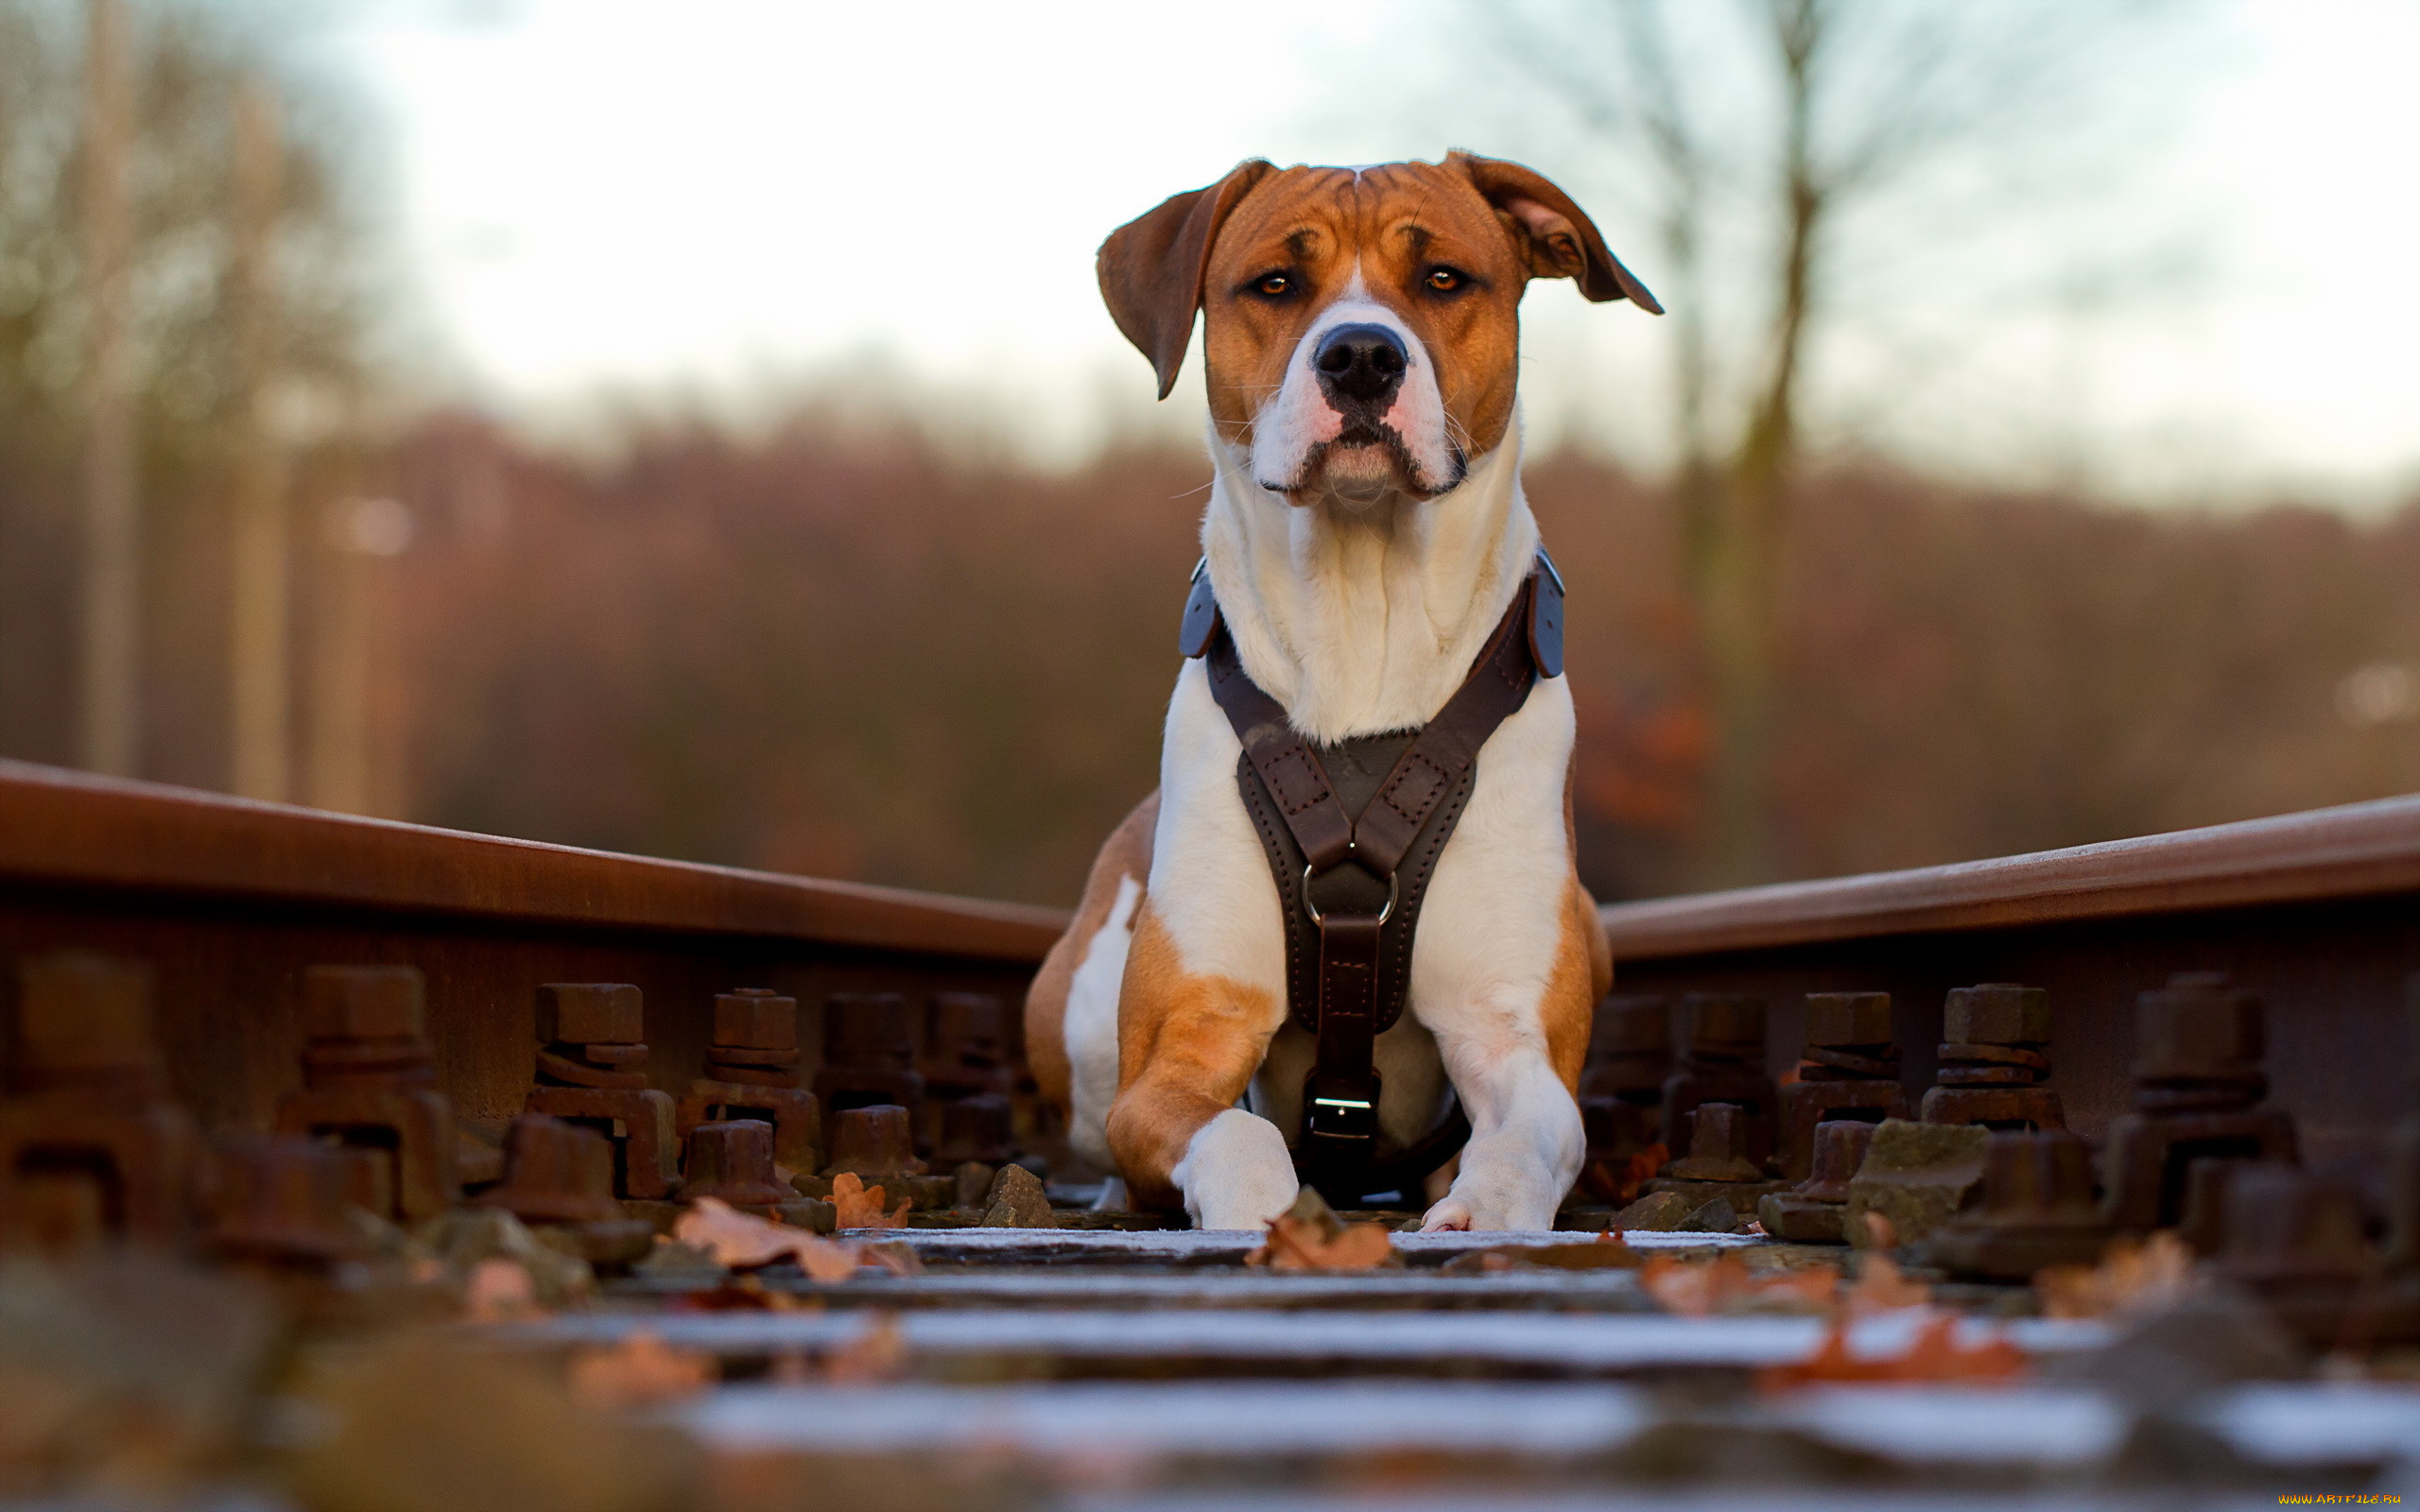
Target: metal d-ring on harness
[[1365, 819]]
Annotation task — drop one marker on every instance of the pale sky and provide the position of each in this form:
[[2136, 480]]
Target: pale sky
[[608, 195]]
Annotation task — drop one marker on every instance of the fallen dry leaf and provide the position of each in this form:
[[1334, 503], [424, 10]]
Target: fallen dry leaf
[[2130, 1275], [857, 1206], [1935, 1355], [1701, 1288], [1640, 1170], [1618, 1181], [743, 1241], [500, 1291], [1881, 1287], [879, 1354], [1295, 1243], [640, 1372]]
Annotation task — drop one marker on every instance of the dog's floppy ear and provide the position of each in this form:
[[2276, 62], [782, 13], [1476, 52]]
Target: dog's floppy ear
[[1150, 267], [1555, 236]]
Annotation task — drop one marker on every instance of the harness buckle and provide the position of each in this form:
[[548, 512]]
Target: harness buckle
[[1341, 1119]]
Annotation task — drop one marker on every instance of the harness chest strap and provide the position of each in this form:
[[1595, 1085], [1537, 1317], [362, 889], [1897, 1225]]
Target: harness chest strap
[[1353, 999]]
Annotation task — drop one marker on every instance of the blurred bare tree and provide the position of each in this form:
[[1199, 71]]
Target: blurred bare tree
[[1797, 118], [168, 439]]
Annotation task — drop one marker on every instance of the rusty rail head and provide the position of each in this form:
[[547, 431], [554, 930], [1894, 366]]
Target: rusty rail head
[[2356, 850], [73, 829]]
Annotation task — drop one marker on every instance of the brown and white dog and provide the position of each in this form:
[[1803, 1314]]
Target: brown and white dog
[[1365, 534]]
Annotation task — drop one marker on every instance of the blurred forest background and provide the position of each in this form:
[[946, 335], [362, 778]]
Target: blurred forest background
[[872, 639]]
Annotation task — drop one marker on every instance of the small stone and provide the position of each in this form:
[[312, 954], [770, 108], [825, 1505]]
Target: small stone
[[1798, 1220], [1660, 1213], [1716, 1217], [810, 1214], [1016, 1201], [464, 1237], [1917, 1175], [675, 1261]]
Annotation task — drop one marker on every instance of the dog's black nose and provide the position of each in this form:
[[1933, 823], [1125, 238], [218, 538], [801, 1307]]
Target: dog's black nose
[[1362, 363]]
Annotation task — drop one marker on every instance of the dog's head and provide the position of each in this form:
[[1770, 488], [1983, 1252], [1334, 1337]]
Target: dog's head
[[1361, 326]]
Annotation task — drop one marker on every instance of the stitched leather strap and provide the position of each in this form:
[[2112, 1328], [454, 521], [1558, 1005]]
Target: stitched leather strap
[[1286, 763]]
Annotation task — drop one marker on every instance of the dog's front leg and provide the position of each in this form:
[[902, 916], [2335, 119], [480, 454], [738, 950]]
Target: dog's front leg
[[1189, 1045], [1512, 1042]]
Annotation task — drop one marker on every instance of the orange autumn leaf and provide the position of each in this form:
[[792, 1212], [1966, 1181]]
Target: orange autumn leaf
[[1640, 1170], [878, 1353], [1935, 1355], [1701, 1288], [2130, 1275], [855, 1205], [1881, 1287], [641, 1371], [1296, 1244], [500, 1291], [742, 1242]]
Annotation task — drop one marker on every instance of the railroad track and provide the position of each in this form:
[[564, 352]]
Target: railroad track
[[189, 974]]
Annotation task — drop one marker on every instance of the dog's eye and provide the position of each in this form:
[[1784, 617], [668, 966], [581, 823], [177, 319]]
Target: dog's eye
[[1445, 280], [1273, 286]]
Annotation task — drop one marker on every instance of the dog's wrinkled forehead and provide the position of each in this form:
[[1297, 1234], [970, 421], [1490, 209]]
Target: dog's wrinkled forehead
[[1315, 217]]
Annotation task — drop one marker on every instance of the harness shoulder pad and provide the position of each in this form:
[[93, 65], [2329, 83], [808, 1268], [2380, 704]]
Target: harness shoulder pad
[[1201, 614], [1545, 618]]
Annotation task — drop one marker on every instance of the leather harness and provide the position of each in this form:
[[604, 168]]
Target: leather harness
[[1363, 821]]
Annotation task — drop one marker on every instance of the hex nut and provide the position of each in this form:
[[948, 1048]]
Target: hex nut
[[1633, 1026], [2199, 1023], [1996, 1013], [755, 1018], [864, 1029], [1836, 1020], [1723, 1019], [362, 1003], [592, 1013], [76, 1008]]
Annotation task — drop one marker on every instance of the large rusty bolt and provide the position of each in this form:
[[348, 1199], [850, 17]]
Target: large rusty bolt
[[2199, 1027], [1718, 1132], [362, 1003], [283, 1198], [755, 1018], [969, 1030], [868, 1030], [78, 1011], [981, 1128], [2046, 1175], [1633, 1026], [1840, 1148], [1839, 1021], [590, 1013], [1996, 1013], [1718, 1146], [1629, 1048], [555, 1172], [872, 1143], [2286, 1224], [732, 1160], [1724, 1023]]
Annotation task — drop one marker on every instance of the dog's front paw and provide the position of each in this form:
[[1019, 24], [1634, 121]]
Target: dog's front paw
[[1452, 1214], [1508, 1203], [1237, 1173]]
